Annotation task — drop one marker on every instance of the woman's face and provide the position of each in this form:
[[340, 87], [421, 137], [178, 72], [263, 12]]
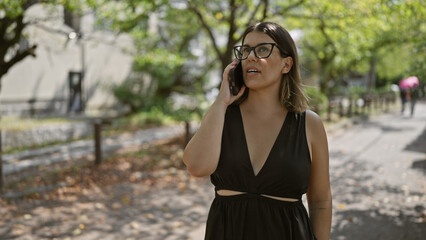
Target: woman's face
[[262, 73]]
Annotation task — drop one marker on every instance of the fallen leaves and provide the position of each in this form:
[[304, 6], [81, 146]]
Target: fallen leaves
[[76, 232], [18, 229], [99, 206], [126, 167], [125, 199], [154, 167], [177, 224], [135, 225], [116, 206], [83, 218]]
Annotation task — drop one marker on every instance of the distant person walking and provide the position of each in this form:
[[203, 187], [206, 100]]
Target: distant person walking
[[409, 92], [414, 95], [403, 95]]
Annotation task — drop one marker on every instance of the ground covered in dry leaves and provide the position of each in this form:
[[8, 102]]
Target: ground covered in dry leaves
[[118, 199]]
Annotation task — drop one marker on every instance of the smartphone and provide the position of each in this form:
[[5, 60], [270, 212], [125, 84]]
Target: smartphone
[[236, 80]]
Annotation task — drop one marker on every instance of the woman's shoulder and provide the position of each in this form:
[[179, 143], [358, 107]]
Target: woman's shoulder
[[309, 115], [314, 124], [312, 116]]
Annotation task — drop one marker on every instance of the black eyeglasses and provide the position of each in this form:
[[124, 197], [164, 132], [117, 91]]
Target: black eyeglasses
[[262, 50]]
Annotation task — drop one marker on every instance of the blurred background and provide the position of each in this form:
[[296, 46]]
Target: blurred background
[[120, 57], [126, 82]]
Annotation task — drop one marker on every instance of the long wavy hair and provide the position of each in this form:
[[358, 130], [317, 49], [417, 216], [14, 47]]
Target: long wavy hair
[[291, 92]]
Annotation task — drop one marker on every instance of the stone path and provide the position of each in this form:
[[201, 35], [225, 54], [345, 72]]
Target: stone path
[[378, 178]]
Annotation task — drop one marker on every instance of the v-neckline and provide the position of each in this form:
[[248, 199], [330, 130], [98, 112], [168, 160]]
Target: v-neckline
[[246, 143]]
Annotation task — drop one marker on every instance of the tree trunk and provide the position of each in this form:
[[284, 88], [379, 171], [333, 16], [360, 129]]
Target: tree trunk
[[372, 73]]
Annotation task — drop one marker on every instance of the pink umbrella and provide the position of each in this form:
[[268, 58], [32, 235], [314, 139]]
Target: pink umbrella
[[409, 82]]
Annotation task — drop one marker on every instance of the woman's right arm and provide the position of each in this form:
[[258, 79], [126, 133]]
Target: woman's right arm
[[201, 155]]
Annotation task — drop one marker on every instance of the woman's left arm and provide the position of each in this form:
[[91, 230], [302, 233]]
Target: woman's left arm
[[319, 193]]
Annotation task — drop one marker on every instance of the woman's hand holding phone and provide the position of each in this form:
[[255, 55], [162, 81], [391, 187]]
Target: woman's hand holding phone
[[225, 94]]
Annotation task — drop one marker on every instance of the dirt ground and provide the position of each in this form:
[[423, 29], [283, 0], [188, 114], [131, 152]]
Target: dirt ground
[[132, 196]]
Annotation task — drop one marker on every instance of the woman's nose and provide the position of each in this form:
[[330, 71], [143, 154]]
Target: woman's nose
[[252, 55]]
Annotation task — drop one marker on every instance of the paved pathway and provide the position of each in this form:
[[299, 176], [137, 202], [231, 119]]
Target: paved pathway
[[378, 178], [377, 172]]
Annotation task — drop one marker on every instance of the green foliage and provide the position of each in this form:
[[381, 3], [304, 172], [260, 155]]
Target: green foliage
[[72, 5], [357, 92], [339, 37], [144, 91], [153, 116], [318, 101], [160, 64], [123, 15], [167, 112], [191, 106], [349, 36], [417, 67], [15, 8], [11, 8], [11, 123], [133, 93]]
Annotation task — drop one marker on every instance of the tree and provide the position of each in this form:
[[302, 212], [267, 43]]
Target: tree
[[14, 46], [230, 18], [402, 45], [341, 37], [178, 31], [11, 34]]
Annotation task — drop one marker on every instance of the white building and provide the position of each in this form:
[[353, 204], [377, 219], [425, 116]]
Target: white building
[[51, 82]]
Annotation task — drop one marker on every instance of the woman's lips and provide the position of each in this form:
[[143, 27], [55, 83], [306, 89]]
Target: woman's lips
[[252, 71]]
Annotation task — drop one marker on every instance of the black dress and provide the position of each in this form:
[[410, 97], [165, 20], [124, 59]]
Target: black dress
[[285, 173]]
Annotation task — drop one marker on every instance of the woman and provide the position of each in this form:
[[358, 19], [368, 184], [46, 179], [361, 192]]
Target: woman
[[262, 149]]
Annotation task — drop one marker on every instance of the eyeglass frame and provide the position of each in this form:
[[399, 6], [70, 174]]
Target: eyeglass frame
[[254, 50]]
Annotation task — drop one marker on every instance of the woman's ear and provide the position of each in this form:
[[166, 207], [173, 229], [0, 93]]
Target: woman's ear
[[287, 64]]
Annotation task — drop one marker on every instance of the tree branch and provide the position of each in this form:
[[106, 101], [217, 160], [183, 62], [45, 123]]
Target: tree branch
[[27, 4], [232, 30], [4, 23], [253, 15], [85, 37], [322, 28], [265, 10], [208, 67], [206, 27], [20, 25], [7, 43], [288, 8], [5, 66]]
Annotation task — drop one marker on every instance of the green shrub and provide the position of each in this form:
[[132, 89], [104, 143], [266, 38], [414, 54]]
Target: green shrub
[[153, 116], [357, 92], [318, 101], [132, 93], [151, 81]]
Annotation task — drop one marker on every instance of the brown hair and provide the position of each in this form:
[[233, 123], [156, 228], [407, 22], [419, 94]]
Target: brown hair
[[291, 93]]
